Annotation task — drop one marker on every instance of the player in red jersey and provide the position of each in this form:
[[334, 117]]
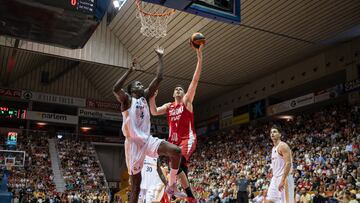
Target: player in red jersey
[[181, 122]]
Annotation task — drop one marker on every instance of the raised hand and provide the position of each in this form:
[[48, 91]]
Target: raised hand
[[159, 51], [199, 50], [134, 64], [156, 93]]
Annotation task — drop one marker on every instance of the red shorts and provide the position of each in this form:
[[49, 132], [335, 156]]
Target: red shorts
[[187, 148]]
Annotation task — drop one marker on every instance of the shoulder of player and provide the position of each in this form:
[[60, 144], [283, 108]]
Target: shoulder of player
[[186, 100], [126, 106], [283, 146], [187, 104]]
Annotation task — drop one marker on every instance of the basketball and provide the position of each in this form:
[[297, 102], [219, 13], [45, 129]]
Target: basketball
[[197, 39]]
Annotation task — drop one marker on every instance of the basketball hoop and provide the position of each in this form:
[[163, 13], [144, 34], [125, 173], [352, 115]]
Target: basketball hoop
[[154, 20]]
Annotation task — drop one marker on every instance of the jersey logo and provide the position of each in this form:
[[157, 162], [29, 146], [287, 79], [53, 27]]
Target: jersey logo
[[140, 106], [176, 111]]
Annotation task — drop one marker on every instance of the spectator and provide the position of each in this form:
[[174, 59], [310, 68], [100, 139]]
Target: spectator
[[243, 189], [261, 197], [318, 198], [346, 197]]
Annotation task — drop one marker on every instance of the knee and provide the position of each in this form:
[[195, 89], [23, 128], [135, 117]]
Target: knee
[[177, 151]]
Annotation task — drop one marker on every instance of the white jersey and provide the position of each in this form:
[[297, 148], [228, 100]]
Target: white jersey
[[136, 129], [278, 166], [278, 162], [150, 179], [136, 123]]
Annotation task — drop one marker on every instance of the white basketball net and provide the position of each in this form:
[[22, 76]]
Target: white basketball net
[[154, 19]]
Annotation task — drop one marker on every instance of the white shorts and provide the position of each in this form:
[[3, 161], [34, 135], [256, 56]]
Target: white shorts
[[286, 195], [135, 153], [151, 195]]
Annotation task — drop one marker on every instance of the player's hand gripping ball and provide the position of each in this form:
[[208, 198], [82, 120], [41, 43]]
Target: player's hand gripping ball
[[197, 39]]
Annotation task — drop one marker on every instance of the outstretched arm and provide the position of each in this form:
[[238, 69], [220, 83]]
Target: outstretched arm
[[118, 91], [161, 174], [154, 85], [190, 94], [284, 149], [155, 111]]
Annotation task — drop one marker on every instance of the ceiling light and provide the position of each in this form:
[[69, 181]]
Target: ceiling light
[[41, 123], [116, 4], [286, 117]]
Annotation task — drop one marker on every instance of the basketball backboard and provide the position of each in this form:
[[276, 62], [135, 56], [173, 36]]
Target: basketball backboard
[[221, 10]]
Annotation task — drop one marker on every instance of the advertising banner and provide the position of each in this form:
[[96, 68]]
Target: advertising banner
[[52, 98], [52, 117], [96, 104], [291, 104], [99, 114], [10, 93]]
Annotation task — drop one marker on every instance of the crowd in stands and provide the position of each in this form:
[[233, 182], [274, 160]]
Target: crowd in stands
[[32, 178], [33, 182], [325, 147], [81, 170]]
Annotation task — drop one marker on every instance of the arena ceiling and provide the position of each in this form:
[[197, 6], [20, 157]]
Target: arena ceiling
[[272, 35]]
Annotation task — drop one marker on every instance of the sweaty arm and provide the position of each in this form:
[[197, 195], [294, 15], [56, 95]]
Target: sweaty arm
[[285, 151], [119, 92], [190, 94], [154, 85], [159, 171], [155, 111]]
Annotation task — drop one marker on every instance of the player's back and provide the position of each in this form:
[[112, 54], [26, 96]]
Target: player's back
[[136, 120], [150, 179], [181, 123]]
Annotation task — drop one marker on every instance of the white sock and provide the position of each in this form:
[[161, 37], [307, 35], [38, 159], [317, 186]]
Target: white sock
[[172, 179]]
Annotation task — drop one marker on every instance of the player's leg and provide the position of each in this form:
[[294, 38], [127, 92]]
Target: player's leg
[[187, 149], [134, 161], [182, 177], [142, 195], [135, 187], [173, 152], [273, 194], [150, 196], [157, 147]]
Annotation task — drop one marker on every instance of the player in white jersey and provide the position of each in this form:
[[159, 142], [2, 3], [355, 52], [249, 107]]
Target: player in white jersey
[[136, 129], [153, 181], [281, 189]]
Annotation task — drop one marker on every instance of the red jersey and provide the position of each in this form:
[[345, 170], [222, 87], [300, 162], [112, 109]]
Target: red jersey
[[181, 124]]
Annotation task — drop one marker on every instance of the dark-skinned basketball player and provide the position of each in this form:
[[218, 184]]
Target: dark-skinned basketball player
[[181, 122], [136, 129]]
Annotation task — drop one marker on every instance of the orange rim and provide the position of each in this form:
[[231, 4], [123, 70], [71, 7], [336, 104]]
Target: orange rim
[[138, 4]]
